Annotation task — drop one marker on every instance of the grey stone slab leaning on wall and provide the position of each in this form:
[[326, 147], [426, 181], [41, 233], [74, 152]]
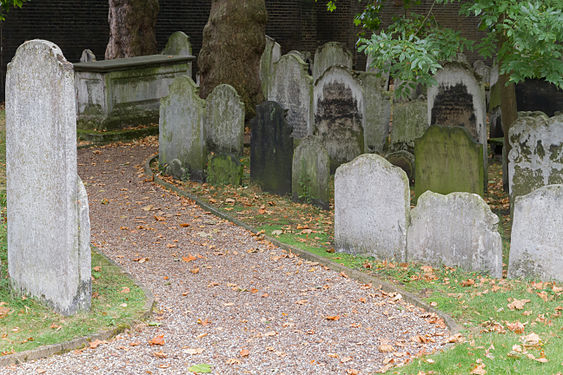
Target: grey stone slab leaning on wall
[[271, 55], [536, 246], [371, 208], [458, 230], [48, 222]]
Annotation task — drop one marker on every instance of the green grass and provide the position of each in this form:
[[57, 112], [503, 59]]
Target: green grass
[[25, 323], [479, 303]]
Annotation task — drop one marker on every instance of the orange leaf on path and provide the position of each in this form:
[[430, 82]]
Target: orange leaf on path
[[189, 258], [335, 317], [158, 340], [244, 353]]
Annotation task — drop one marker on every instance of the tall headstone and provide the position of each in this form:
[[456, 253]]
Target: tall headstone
[[48, 222], [181, 128], [225, 120], [536, 245], [178, 44], [292, 87], [371, 208], [330, 54], [457, 230], [271, 149], [536, 156], [457, 99], [271, 55], [448, 160], [311, 173], [409, 123]]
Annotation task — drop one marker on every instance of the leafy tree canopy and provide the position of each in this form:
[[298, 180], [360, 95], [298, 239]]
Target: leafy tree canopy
[[6, 5], [525, 36]]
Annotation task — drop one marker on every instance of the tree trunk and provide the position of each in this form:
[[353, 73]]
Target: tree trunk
[[233, 41], [509, 114], [131, 28]]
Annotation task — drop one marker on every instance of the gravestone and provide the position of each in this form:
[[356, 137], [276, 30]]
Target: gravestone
[[483, 71], [292, 87], [330, 54], [456, 230], [181, 128], [371, 208], [48, 222], [536, 245], [225, 120], [536, 156], [178, 44], [223, 169], [271, 54], [87, 56], [448, 160], [409, 123], [457, 99], [311, 173], [271, 149], [404, 160], [383, 76]]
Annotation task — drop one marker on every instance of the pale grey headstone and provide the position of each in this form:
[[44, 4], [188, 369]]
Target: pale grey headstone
[[483, 71], [376, 112], [311, 173], [271, 54], [292, 87], [330, 54], [178, 44], [409, 123], [371, 208], [536, 155], [536, 246], [457, 230], [48, 223], [181, 127], [225, 120], [87, 56]]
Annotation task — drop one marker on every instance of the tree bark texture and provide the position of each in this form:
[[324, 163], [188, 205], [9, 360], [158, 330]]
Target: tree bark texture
[[131, 28], [233, 42]]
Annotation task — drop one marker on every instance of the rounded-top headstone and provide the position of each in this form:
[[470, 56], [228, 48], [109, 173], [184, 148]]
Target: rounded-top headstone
[[178, 44]]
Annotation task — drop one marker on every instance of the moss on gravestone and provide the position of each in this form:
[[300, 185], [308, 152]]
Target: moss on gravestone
[[224, 169]]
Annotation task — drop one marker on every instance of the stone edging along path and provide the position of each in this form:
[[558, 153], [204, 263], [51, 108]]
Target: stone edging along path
[[79, 342], [453, 326]]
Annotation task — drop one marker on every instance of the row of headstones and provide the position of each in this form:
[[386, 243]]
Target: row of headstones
[[373, 218], [48, 222]]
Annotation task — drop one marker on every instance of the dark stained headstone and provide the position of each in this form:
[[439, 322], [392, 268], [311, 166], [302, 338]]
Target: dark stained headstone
[[224, 169], [448, 160], [271, 149]]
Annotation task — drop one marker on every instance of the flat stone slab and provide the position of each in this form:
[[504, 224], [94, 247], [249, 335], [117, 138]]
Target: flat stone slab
[[536, 246], [130, 62]]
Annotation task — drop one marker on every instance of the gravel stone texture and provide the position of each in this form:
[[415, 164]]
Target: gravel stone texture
[[242, 306]]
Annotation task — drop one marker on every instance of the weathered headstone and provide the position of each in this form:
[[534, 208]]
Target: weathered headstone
[[457, 99], [371, 208], [181, 128], [311, 173], [292, 87], [403, 159], [409, 123], [383, 76], [448, 160], [271, 55], [457, 230], [271, 149], [483, 71], [536, 245], [178, 44], [87, 56], [223, 169], [536, 156], [48, 222], [330, 54], [225, 120]]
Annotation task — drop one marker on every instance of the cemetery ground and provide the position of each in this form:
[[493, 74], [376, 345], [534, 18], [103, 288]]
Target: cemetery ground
[[510, 326]]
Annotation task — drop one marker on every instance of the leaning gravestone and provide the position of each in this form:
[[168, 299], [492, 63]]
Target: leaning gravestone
[[292, 87], [224, 169], [178, 44], [311, 172], [448, 160], [225, 120], [457, 99], [271, 149], [330, 54], [457, 230], [536, 156], [271, 54], [371, 208], [536, 245], [48, 222], [181, 128]]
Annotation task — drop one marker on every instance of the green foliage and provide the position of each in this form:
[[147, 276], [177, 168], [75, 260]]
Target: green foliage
[[6, 5]]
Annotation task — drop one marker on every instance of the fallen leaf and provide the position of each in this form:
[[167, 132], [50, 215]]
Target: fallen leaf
[[335, 317], [195, 270], [193, 351], [244, 353], [189, 258], [184, 225], [204, 323], [352, 371], [158, 340], [479, 369], [530, 340], [94, 344], [125, 290], [515, 327], [518, 304], [468, 282], [202, 368], [345, 359], [4, 311], [159, 354], [386, 348]]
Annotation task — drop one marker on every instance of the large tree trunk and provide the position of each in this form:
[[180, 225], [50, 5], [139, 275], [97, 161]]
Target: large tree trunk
[[233, 42], [509, 114], [131, 28]]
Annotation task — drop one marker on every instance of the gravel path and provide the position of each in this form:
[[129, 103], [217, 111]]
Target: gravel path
[[242, 305]]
